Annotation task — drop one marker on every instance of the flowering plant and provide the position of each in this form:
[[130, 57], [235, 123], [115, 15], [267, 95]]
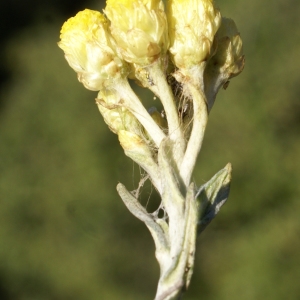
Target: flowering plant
[[184, 55]]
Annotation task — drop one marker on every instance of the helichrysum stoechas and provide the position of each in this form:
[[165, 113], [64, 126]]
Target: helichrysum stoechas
[[183, 62], [90, 50], [140, 29]]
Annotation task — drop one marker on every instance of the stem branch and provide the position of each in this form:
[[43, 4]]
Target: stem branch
[[200, 119], [162, 89], [134, 104]]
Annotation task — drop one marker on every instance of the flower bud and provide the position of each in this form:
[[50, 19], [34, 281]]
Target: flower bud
[[116, 116], [139, 28], [192, 26], [227, 62], [229, 55], [90, 50], [134, 146]]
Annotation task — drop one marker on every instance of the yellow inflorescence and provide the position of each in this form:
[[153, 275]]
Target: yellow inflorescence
[[229, 58], [116, 117], [90, 50], [133, 34], [139, 28], [192, 26]]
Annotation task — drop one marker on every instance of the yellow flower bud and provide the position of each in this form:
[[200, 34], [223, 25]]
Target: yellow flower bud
[[134, 146], [139, 28], [90, 50], [192, 26], [116, 116], [229, 55], [228, 60]]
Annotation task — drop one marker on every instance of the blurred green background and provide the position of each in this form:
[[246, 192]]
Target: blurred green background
[[65, 233]]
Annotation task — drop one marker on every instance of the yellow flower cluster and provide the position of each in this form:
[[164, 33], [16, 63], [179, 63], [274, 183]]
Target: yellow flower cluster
[[140, 39], [139, 32]]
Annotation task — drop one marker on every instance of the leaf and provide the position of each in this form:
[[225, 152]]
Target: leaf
[[212, 196], [157, 227]]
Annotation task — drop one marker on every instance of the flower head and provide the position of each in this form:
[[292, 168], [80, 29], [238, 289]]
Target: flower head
[[90, 50], [192, 26], [229, 55], [115, 115], [227, 62], [139, 28]]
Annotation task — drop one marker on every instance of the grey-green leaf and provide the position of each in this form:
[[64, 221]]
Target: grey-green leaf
[[212, 196]]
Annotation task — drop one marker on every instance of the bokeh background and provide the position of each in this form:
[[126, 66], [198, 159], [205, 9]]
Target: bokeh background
[[65, 233]]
